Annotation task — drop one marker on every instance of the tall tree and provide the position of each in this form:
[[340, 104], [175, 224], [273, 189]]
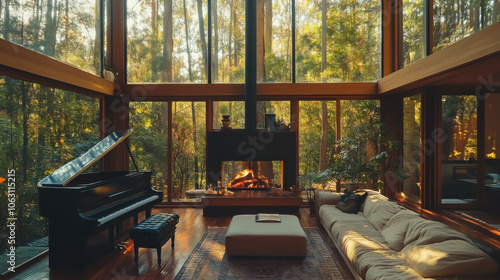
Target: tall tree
[[324, 109], [168, 41], [203, 41]]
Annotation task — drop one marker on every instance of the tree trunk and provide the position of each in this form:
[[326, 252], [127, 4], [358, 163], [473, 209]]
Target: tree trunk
[[25, 102], [324, 136], [323, 39], [6, 21], [269, 25], [215, 57], [186, 24], [97, 42], [168, 41], [204, 49], [154, 40], [261, 52], [196, 170]]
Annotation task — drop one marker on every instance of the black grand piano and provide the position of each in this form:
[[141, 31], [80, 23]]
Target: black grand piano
[[86, 210]]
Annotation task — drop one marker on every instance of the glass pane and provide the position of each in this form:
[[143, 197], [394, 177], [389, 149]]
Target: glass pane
[[459, 149], [149, 142], [349, 47], [42, 129], [454, 20], [188, 148], [280, 109], [362, 133], [165, 43], [316, 138], [413, 31], [228, 41], [274, 41], [65, 30], [492, 161], [411, 146], [236, 111]]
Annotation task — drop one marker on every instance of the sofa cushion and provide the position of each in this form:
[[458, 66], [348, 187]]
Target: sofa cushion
[[396, 228], [447, 258], [385, 264], [370, 201], [381, 212], [329, 215]]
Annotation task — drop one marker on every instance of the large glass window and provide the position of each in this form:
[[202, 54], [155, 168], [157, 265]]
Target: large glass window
[[492, 156], [454, 20], [338, 41], [274, 41], [411, 147], [459, 149], [188, 148], [317, 136], [41, 128], [228, 41], [66, 30], [166, 41], [149, 142], [413, 31]]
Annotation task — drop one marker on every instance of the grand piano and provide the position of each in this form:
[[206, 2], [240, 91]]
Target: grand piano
[[87, 211]]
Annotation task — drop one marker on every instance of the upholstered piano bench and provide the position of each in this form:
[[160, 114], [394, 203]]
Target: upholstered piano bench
[[154, 232]]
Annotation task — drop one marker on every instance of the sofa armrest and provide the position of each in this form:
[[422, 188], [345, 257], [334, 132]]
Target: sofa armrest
[[323, 197]]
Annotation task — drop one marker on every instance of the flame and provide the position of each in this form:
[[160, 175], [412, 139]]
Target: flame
[[252, 182]]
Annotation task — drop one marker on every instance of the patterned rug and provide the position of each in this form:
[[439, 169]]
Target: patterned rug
[[209, 261]]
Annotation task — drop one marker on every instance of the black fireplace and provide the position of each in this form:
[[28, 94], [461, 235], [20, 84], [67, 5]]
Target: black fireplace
[[247, 146]]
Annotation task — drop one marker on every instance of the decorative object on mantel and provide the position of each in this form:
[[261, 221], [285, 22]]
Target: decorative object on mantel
[[226, 122], [294, 191]]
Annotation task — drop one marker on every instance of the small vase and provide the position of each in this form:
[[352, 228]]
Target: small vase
[[226, 121]]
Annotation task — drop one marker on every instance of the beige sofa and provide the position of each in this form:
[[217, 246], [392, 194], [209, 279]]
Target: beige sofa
[[386, 241]]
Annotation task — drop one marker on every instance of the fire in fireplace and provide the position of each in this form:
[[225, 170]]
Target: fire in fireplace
[[251, 175], [246, 179]]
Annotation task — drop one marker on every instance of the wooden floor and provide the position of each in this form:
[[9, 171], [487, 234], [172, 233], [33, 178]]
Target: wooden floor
[[120, 264]]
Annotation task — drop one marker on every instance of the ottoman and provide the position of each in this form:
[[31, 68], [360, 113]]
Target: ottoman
[[154, 232], [246, 237]]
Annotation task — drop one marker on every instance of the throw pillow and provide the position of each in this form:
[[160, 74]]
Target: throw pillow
[[352, 204]]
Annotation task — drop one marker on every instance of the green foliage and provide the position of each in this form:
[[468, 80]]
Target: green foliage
[[43, 128]]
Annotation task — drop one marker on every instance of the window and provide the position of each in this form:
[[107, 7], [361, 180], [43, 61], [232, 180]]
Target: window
[[165, 43], [454, 20], [411, 147], [414, 32], [492, 156], [317, 135], [69, 31], [235, 110], [346, 47], [459, 149], [42, 129]]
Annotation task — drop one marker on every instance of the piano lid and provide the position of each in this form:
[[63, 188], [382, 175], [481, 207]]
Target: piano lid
[[66, 173]]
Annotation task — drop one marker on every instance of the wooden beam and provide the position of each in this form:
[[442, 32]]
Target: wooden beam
[[156, 92], [481, 48], [35, 67]]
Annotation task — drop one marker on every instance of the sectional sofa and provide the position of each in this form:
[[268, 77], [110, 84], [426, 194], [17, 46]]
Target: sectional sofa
[[386, 241]]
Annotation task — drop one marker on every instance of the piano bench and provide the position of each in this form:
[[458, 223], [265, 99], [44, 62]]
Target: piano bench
[[154, 232]]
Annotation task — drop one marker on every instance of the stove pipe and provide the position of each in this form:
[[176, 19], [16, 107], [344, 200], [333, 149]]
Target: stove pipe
[[251, 65]]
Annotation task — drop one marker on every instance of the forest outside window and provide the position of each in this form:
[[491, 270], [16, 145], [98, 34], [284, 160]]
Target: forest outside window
[[410, 187], [70, 31], [42, 128]]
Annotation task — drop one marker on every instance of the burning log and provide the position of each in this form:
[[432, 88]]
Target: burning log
[[246, 179]]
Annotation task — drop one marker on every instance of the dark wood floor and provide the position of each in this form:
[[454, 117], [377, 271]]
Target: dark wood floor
[[121, 265]]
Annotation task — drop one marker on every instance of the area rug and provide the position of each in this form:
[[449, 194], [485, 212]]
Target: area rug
[[209, 261]]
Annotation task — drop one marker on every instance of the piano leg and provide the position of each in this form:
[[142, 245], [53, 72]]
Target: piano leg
[[136, 253], [148, 213], [136, 219]]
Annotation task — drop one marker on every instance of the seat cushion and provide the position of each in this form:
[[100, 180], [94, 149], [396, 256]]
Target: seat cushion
[[155, 227]]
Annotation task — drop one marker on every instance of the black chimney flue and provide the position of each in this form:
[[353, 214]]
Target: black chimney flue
[[250, 65]]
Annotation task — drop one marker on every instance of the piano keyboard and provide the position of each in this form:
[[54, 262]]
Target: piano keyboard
[[125, 210]]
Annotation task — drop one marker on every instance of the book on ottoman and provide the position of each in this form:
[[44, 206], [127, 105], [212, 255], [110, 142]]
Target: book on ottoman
[[268, 218]]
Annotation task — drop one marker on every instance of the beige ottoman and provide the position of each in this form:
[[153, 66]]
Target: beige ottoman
[[246, 237]]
